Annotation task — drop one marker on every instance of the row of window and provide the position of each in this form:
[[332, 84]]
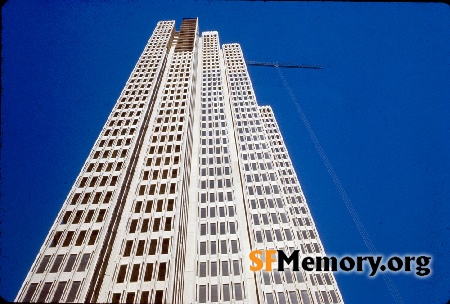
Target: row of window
[[124, 114], [218, 247], [93, 197], [291, 190], [276, 234], [143, 93], [278, 277], [211, 75], [107, 167], [216, 124], [161, 150], [213, 110], [257, 178], [219, 211], [272, 216], [219, 268], [220, 293], [153, 189], [106, 153], [78, 215], [58, 295], [262, 191], [215, 105], [140, 248], [280, 298], [220, 150], [128, 102], [142, 272], [212, 197], [145, 227], [215, 183], [145, 297], [122, 122], [213, 119], [80, 239], [220, 227], [103, 181], [69, 263], [160, 206], [324, 297], [263, 202], [115, 131], [301, 210], [211, 65]]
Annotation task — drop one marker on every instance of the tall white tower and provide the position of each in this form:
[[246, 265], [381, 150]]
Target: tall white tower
[[186, 178]]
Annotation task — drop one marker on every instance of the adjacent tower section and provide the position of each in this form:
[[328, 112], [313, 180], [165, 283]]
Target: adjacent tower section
[[150, 247], [218, 258], [268, 201], [322, 284], [187, 177], [72, 260]]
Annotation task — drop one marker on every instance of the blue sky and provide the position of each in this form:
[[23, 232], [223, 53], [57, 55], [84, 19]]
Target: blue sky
[[379, 107]]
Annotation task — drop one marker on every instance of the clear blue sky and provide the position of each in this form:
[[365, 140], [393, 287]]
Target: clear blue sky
[[380, 109]]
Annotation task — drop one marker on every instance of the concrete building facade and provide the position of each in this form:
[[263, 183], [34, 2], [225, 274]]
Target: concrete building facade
[[187, 177]]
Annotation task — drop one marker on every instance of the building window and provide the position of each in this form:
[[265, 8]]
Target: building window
[[162, 272], [93, 237], [58, 292], [134, 274], [140, 248], [83, 262], [121, 275], [128, 246], [148, 272], [57, 263], [44, 292], [202, 294], [153, 245], [73, 291], [43, 264]]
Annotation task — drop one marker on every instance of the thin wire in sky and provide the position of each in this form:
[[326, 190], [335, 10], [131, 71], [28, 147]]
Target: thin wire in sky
[[348, 204]]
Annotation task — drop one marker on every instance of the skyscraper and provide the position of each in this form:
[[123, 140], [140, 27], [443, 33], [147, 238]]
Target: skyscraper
[[187, 177]]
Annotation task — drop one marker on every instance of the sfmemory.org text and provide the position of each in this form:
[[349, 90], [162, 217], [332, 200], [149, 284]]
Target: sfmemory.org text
[[418, 264]]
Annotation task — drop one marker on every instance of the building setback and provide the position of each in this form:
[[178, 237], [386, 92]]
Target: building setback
[[187, 176]]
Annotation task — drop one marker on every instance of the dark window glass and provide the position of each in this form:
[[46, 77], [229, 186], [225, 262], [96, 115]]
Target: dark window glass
[[43, 264], [83, 262], [148, 272], [130, 297], [165, 246], [44, 292], [140, 248], [70, 262], [134, 274], [57, 263], [30, 292], [93, 237], [162, 272], [122, 272], [159, 297], [73, 291], [58, 292], [68, 239], [153, 245]]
